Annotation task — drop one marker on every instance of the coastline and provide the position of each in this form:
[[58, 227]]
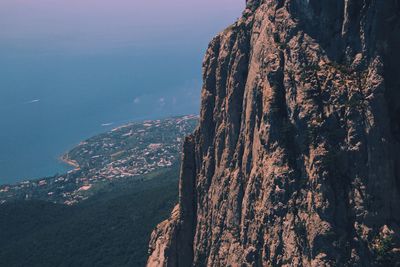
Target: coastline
[[62, 163], [73, 163]]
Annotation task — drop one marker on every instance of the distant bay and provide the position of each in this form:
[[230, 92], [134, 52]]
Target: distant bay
[[76, 98]]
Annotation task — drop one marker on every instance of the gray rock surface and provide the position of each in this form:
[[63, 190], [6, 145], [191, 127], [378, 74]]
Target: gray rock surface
[[296, 159]]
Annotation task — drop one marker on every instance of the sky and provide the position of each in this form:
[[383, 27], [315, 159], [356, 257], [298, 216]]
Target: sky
[[81, 26], [70, 69]]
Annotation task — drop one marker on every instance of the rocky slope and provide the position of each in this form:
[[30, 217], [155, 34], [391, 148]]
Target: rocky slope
[[295, 161]]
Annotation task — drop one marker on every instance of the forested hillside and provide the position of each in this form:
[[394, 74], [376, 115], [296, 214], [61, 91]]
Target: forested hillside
[[110, 229]]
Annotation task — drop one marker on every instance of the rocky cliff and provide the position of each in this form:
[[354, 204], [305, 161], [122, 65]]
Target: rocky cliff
[[296, 159]]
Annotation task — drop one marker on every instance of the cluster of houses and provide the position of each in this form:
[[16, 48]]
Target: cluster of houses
[[126, 152]]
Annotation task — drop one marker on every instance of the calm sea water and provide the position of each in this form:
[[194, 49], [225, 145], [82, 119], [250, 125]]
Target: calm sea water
[[53, 98]]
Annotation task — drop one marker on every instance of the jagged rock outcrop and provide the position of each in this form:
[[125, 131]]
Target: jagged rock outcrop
[[296, 159]]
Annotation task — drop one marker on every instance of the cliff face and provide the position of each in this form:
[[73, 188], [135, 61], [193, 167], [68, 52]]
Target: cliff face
[[296, 160]]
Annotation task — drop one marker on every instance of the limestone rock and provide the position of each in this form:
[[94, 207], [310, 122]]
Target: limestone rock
[[296, 159]]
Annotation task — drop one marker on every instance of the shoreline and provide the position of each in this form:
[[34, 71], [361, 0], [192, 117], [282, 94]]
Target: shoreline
[[65, 164], [64, 158]]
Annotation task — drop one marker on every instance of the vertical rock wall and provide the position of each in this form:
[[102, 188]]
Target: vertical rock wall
[[296, 159]]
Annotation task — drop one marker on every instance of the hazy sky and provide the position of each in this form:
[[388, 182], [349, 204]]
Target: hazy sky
[[96, 25]]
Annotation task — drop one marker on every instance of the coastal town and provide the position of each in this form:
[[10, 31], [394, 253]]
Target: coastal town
[[127, 153]]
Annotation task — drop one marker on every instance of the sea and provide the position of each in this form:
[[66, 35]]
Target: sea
[[48, 108], [53, 96]]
